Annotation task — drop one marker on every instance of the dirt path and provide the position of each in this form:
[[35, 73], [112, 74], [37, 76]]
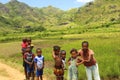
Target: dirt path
[[9, 73]]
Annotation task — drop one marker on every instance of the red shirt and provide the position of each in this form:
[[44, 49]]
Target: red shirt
[[24, 45], [86, 57]]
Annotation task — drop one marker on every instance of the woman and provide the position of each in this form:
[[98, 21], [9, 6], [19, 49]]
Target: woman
[[89, 61]]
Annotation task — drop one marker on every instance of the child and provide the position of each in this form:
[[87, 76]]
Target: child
[[58, 68], [24, 46], [28, 58], [63, 56], [29, 44], [39, 64], [73, 62], [89, 61]]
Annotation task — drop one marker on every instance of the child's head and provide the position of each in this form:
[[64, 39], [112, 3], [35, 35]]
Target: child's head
[[39, 51], [63, 53], [24, 40], [29, 40], [56, 49], [74, 53], [28, 49], [85, 46]]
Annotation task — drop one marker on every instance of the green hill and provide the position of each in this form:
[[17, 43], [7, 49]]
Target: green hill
[[19, 17]]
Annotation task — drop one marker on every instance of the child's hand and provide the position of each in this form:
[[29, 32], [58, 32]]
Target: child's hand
[[77, 64], [69, 63]]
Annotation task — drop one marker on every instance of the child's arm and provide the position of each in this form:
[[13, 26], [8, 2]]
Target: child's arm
[[69, 61], [43, 64], [53, 54], [79, 61]]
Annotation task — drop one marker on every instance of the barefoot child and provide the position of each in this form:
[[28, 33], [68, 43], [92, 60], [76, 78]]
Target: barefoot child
[[63, 56], [28, 58], [58, 68], [73, 62], [24, 46], [39, 64]]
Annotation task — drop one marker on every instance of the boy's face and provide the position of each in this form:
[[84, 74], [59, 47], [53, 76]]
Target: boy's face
[[85, 47], [57, 52], [73, 54], [39, 52], [63, 55]]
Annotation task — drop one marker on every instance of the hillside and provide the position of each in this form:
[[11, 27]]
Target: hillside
[[100, 13], [19, 17]]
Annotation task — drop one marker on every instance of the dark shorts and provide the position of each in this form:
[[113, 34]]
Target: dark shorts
[[29, 68], [39, 73]]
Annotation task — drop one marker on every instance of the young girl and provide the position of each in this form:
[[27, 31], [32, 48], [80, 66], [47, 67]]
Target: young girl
[[73, 62], [89, 61], [28, 58], [39, 64], [63, 56], [58, 68]]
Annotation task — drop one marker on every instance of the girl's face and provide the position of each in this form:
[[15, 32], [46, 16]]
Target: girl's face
[[85, 47], [39, 52], [73, 54]]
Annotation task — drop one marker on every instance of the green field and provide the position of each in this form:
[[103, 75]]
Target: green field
[[106, 46]]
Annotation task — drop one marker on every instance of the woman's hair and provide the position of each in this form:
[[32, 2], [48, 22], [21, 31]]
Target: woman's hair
[[74, 50], [85, 42]]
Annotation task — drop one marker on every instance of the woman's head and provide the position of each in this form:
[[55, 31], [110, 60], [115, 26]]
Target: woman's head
[[39, 51], [74, 53], [85, 46]]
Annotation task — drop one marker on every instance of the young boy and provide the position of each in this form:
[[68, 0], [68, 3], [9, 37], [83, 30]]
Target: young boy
[[39, 64], [28, 58], [73, 62], [89, 61], [58, 68]]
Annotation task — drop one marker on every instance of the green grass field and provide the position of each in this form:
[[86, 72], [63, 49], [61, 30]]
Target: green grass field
[[105, 45]]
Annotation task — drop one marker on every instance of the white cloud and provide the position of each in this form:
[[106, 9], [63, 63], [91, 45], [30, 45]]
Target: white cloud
[[84, 1]]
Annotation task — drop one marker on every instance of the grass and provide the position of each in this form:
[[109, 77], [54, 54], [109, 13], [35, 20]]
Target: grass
[[105, 45]]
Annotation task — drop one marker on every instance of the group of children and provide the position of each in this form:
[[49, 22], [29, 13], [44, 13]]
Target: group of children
[[32, 63], [83, 56], [60, 63]]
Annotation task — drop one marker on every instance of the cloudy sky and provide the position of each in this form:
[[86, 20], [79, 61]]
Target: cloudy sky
[[62, 4]]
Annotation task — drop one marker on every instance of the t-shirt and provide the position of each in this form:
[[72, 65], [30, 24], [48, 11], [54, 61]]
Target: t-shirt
[[85, 57], [39, 60], [29, 57], [24, 45]]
